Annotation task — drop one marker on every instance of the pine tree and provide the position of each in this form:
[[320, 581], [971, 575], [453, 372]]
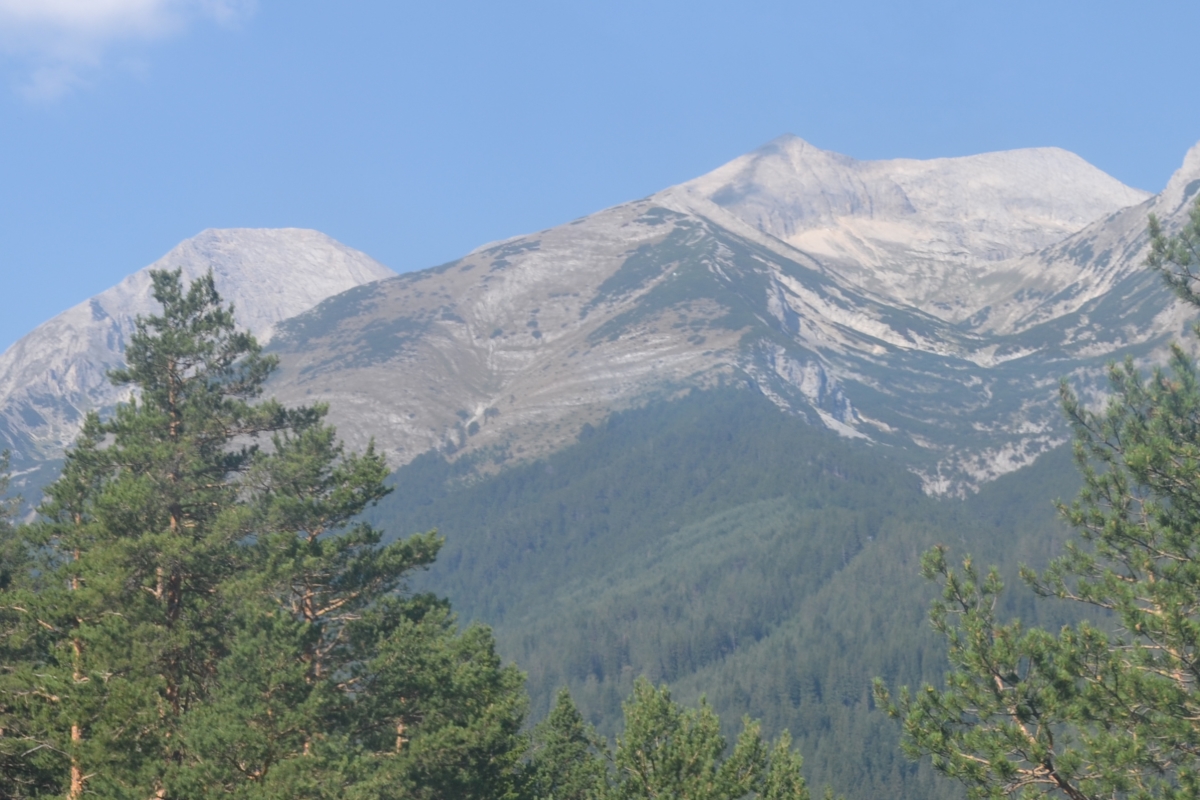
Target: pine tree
[[569, 760], [205, 616], [126, 623], [27, 768], [783, 780], [12, 556], [668, 751]]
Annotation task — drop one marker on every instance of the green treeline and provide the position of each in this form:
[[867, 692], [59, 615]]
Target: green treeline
[[200, 611], [664, 751], [729, 550]]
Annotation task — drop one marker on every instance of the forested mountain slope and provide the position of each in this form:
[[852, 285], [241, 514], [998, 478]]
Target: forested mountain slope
[[722, 546]]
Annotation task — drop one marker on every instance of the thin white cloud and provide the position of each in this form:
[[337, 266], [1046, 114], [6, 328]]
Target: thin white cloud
[[57, 44]]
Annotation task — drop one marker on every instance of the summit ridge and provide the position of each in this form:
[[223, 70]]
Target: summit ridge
[[931, 233], [925, 307], [52, 376]]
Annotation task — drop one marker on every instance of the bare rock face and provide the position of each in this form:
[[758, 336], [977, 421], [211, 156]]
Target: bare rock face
[[55, 374], [1091, 264], [931, 234], [928, 308], [516, 344]]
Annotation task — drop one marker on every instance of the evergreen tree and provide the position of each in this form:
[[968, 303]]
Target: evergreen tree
[[204, 616], [1096, 710], [12, 556], [783, 780], [569, 761], [670, 752], [22, 773], [126, 623]]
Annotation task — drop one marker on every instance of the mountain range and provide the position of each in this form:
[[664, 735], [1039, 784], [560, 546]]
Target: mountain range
[[928, 306], [703, 436]]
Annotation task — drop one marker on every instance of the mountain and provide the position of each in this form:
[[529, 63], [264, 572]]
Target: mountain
[[929, 234], [712, 543], [704, 436], [1102, 259], [52, 376], [700, 537], [927, 307]]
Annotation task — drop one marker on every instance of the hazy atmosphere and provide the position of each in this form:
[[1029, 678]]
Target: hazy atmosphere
[[599, 401], [416, 132]]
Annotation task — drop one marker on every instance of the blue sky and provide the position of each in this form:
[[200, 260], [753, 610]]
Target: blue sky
[[416, 132]]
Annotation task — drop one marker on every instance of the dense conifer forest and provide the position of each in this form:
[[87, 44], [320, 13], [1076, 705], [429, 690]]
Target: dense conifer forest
[[717, 545]]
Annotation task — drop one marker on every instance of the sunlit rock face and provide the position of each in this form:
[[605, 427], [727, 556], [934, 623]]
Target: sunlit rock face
[[932, 234], [51, 377], [925, 308], [928, 308]]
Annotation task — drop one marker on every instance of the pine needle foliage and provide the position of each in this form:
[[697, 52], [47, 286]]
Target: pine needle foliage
[[569, 761], [665, 751], [199, 611]]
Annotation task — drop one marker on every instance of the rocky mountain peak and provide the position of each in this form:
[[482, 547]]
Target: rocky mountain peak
[[925, 233], [53, 375], [789, 187], [1183, 184], [269, 274], [1090, 264], [878, 298]]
